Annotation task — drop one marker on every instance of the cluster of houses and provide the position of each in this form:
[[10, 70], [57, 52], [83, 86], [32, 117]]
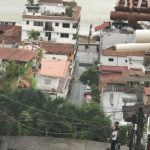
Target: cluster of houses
[[57, 25], [125, 77]]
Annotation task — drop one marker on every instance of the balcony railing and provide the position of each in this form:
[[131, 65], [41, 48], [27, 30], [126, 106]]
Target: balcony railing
[[48, 29]]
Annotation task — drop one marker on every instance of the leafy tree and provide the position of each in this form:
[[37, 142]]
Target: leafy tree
[[33, 35], [23, 105], [69, 11], [124, 135], [30, 2], [95, 93], [91, 76]]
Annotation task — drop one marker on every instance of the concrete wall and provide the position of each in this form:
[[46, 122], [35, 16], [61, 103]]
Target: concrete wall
[[57, 57], [55, 34], [41, 82], [117, 61], [114, 103], [129, 61], [50, 143]]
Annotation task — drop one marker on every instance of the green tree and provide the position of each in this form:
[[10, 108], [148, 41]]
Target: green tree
[[30, 2], [69, 11], [33, 35], [25, 106], [95, 93], [91, 76]]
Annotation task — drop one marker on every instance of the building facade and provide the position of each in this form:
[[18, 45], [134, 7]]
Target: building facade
[[55, 20]]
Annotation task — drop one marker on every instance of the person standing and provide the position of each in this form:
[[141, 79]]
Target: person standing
[[114, 138]]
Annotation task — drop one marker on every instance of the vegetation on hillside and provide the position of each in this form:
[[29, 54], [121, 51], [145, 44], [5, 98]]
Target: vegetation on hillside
[[29, 112]]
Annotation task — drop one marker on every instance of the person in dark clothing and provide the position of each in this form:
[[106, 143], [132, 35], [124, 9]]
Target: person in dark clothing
[[114, 138]]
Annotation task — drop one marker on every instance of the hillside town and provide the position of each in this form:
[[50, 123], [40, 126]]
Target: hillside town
[[63, 90]]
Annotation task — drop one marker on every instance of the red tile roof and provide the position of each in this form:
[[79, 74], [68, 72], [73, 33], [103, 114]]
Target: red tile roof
[[115, 74], [111, 51], [50, 1], [53, 68], [112, 69], [74, 18], [15, 54], [147, 90], [57, 48], [72, 4], [11, 34]]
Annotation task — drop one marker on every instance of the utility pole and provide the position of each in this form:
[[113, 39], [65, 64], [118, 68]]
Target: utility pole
[[140, 125], [100, 46], [90, 33]]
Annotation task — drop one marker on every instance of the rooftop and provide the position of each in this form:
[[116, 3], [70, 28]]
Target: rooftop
[[57, 48], [50, 1], [53, 68], [74, 18], [111, 51], [10, 33], [15, 54]]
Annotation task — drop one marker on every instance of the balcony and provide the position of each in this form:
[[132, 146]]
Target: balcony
[[48, 28]]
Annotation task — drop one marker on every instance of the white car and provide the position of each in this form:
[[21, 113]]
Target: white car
[[87, 90]]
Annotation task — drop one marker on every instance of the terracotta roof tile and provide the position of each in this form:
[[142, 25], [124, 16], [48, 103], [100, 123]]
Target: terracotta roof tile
[[72, 4], [74, 18], [147, 90], [111, 51], [54, 68], [113, 69], [11, 34], [57, 48], [50, 1], [15, 54]]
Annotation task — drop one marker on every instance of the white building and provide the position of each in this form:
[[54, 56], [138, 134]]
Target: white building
[[53, 77], [52, 20], [117, 88], [132, 60]]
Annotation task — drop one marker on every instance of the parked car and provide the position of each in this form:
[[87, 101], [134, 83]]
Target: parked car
[[88, 98], [87, 90]]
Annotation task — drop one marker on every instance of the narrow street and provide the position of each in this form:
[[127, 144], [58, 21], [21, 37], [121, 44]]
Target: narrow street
[[84, 58]]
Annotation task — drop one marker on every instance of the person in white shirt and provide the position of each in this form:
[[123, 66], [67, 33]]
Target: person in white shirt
[[114, 138]]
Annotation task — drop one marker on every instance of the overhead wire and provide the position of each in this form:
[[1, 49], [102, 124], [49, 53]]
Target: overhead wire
[[40, 110]]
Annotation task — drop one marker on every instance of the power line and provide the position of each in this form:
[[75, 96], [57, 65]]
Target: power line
[[40, 110]]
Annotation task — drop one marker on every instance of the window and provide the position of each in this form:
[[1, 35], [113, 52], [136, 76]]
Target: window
[[64, 35], [56, 24], [110, 59], [46, 34], [27, 22], [66, 25], [47, 82], [37, 23], [38, 33]]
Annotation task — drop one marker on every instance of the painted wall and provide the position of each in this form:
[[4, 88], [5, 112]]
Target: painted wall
[[114, 103], [130, 61], [57, 57], [55, 34], [41, 82], [117, 61]]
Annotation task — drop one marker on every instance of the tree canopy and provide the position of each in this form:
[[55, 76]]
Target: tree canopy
[[29, 112]]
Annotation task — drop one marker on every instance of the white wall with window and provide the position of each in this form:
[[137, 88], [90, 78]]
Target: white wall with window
[[57, 57], [113, 101], [61, 31], [114, 61], [46, 83], [129, 61]]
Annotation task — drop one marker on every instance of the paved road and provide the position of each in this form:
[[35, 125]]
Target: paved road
[[84, 56], [89, 56], [49, 143]]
